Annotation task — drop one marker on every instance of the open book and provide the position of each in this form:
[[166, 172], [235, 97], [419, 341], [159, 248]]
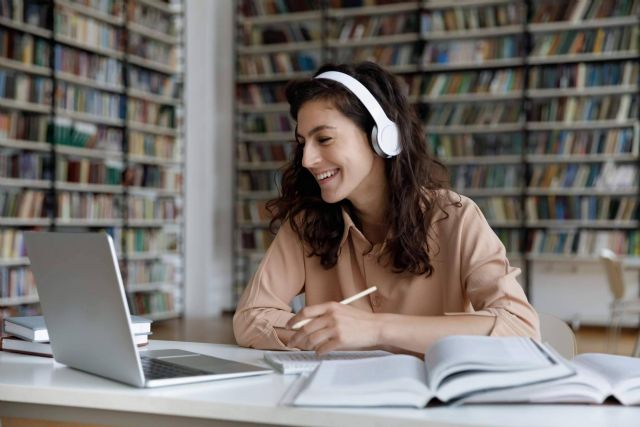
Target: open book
[[598, 377], [454, 367]]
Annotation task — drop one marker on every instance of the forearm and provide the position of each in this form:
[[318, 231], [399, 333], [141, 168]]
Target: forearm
[[417, 333]]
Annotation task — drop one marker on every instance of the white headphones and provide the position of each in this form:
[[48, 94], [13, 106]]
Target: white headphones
[[384, 136]]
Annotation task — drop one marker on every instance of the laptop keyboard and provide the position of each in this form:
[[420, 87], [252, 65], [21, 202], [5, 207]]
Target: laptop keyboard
[[157, 369]]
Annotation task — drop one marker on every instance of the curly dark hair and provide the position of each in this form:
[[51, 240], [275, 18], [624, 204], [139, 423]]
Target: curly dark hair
[[415, 177]]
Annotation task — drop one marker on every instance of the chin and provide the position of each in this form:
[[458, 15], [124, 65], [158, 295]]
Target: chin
[[331, 198]]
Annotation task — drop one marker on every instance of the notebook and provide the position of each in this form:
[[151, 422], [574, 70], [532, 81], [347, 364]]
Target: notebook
[[297, 362]]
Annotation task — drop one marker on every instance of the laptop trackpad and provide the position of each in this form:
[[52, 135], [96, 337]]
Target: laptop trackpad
[[163, 354], [211, 364]]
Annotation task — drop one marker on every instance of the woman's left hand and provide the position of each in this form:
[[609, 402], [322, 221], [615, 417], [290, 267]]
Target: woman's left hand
[[334, 326]]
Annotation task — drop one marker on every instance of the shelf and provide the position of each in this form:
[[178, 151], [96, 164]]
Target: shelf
[[91, 12], [22, 144], [86, 222], [94, 49], [399, 69], [161, 6], [89, 188], [489, 63], [254, 254], [277, 77], [27, 68], [498, 159], [284, 137], [587, 125], [159, 99], [143, 256], [281, 107], [447, 4], [24, 183], [583, 91], [374, 41], [628, 261], [257, 195], [499, 31], [147, 128], [471, 97], [280, 18], [582, 57], [88, 152], [154, 192], [150, 160], [591, 223], [261, 166], [384, 9], [83, 81], [490, 192], [11, 301], [253, 224], [152, 65], [24, 27], [151, 33], [278, 47], [580, 25], [14, 262], [25, 106], [505, 223], [464, 129], [150, 287], [581, 158], [152, 223], [24, 222], [583, 191], [91, 118]]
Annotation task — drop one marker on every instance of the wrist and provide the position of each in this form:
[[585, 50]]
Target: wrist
[[380, 327]]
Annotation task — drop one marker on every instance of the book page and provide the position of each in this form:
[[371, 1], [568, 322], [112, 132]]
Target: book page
[[622, 372], [397, 380]]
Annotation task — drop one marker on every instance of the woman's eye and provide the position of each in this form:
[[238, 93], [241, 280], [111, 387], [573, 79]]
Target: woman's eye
[[323, 140]]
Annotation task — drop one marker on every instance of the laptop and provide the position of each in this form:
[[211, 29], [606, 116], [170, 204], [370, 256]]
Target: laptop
[[85, 308]]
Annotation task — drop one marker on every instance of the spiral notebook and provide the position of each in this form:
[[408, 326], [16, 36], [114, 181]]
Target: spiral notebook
[[296, 362]]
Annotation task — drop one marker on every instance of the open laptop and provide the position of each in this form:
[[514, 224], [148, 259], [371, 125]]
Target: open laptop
[[84, 305]]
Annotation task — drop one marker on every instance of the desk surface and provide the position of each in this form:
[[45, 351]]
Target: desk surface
[[30, 382]]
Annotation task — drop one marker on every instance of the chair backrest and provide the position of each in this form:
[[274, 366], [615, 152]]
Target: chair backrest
[[558, 334], [615, 275]]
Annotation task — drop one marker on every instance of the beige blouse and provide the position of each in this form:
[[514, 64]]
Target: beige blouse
[[471, 276]]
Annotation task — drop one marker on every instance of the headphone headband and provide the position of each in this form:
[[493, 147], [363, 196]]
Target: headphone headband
[[385, 133]]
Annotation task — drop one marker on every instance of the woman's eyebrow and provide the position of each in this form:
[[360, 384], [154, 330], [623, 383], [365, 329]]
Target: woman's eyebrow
[[315, 130]]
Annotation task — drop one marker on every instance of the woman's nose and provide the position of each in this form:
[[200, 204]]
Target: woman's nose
[[310, 155]]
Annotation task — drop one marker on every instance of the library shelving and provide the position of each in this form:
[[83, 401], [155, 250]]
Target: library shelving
[[533, 105], [91, 139]]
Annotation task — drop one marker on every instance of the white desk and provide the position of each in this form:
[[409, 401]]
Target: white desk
[[39, 388]]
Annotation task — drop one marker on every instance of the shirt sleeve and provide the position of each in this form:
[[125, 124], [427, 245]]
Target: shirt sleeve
[[265, 303], [490, 282]]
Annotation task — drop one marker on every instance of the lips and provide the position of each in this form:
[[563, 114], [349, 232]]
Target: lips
[[324, 176]]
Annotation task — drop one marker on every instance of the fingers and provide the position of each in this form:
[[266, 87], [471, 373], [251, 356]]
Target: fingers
[[310, 312]]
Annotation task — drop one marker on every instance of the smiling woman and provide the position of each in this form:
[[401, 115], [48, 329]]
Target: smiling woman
[[364, 204]]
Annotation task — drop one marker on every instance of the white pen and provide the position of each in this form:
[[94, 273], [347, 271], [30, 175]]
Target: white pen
[[345, 301]]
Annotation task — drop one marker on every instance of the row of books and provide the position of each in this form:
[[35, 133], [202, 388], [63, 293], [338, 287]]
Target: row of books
[[472, 51], [166, 209], [24, 48], [22, 204], [110, 7], [87, 30], [12, 244], [254, 240], [151, 17], [148, 112], [585, 208], [581, 75], [463, 145], [269, 152], [475, 114], [500, 208], [98, 68], [273, 7], [29, 335], [152, 49], [583, 242], [83, 99], [89, 171], [72, 205], [252, 210], [276, 34], [160, 146], [574, 109], [73, 133], [258, 180], [267, 122], [510, 238], [29, 12], [457, 83], [577, 10], [363, 27], [150, 240], [147, 272], [586, 41], [279, 63], [154, 177], [16, 124], [581, 142], [24, 165], [485, 176], [25, 88], [593, 175], [153, 82], [143, 303], [472, 18], [385, 55], [16, 282], [261, 94]]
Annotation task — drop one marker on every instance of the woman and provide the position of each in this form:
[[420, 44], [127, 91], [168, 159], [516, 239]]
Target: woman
[[359, 210]]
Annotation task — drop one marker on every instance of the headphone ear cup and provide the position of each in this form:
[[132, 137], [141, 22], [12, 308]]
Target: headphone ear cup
[[374, 142]]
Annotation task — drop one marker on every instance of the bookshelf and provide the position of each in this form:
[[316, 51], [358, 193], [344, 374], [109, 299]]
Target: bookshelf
[[91, 138], [533, 105]]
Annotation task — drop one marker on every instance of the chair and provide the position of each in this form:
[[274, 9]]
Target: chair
[[623, 303], [558, 334]]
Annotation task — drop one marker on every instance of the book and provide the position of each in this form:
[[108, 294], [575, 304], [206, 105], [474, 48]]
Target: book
[[36, 348], [297, 362], [454, 367], [33, 328], [598, 377]]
